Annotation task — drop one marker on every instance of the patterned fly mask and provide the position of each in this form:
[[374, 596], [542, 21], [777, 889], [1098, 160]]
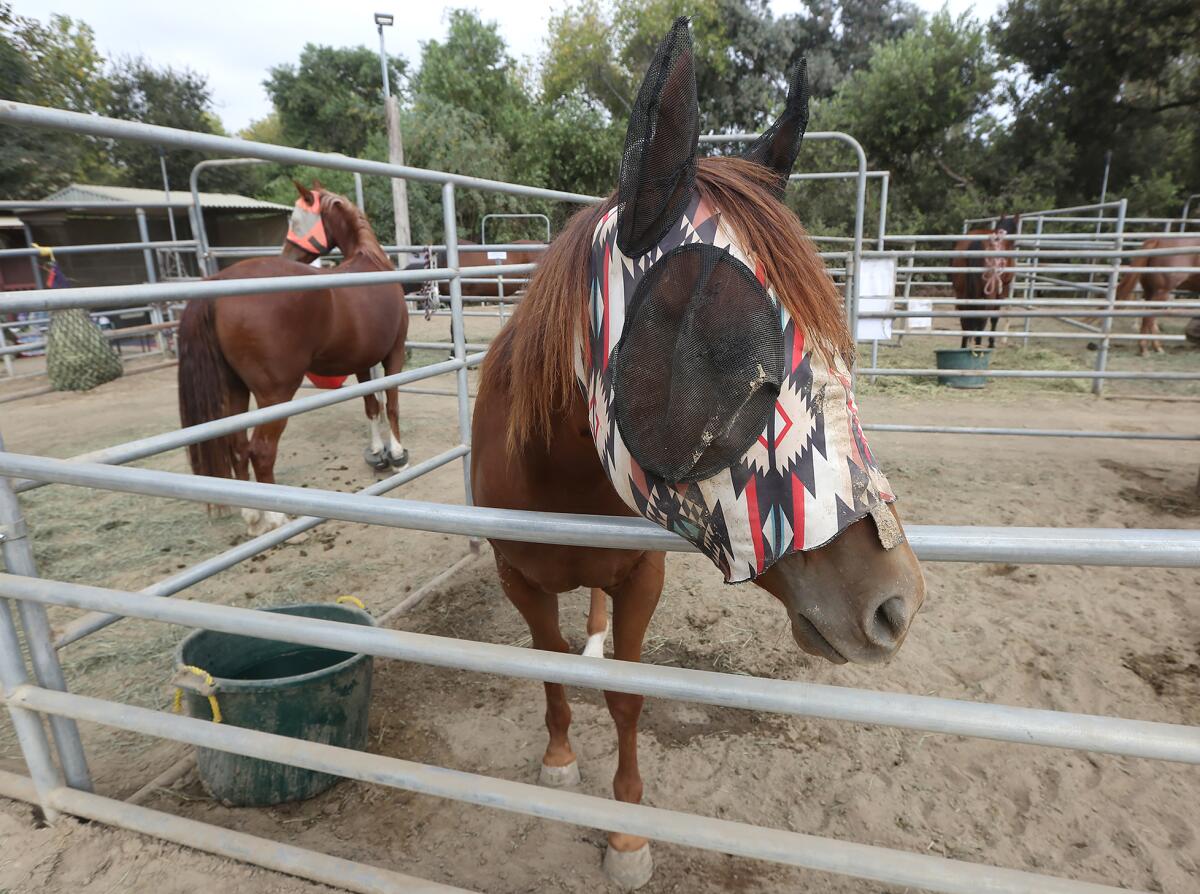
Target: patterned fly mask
[[306, 230], [712, 415]]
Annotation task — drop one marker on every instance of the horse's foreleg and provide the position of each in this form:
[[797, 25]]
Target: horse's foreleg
[[627, 860], [394, 363], [597, 624], [376, 454], [540, 611], [1144, 343]]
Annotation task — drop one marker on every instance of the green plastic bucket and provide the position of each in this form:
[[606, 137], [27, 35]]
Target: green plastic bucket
[[304, 692], [963, 358]]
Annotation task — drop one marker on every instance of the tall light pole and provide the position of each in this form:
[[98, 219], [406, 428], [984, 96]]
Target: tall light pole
[[382, 20], [395, 143]]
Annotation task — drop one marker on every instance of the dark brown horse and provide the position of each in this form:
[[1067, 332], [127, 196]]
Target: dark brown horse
[[534, 431], [995, 282], [263, 344], [1158, 286]]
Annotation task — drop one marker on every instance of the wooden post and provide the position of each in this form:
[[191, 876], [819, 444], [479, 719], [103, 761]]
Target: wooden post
[[399, 187]]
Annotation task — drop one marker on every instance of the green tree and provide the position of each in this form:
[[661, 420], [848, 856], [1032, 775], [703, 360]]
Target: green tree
[[920, 111], [840, 36], [170, 97], [599, 53], [1109, 74], [54, 64], [332, 101]]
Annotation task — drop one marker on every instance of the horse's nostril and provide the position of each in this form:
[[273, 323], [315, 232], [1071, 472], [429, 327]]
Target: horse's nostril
[[889, 622]]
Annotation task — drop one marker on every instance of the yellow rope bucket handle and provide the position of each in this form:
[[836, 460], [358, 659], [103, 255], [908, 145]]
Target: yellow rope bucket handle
[[209, 684], [44, 251], [353, 600]]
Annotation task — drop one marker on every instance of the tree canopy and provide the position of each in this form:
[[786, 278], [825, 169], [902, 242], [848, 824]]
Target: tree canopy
[[970, 117]]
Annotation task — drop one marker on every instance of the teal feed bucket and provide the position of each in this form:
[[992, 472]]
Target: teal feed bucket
[[304, 692], [963, 358]]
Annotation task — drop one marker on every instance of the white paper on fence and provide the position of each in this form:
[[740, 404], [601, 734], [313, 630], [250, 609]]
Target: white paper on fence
[[874, 329], [497, 255], [878, 278], [920, 322], [877, 286]]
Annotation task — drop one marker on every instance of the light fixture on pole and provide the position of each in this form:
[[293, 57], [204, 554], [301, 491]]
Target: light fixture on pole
[[395, 143], [383, 19]]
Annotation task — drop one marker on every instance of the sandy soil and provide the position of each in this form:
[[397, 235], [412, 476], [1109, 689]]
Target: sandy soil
[[1097, 640]]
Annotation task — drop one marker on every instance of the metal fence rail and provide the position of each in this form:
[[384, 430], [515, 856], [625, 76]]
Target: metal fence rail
[[28, 701]]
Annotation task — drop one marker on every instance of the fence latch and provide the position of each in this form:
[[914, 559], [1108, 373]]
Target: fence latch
[[15, 531]]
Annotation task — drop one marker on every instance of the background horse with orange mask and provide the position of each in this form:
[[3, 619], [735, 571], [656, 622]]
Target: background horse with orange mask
[[263, 344]]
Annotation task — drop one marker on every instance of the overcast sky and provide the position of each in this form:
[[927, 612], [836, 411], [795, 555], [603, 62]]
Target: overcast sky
[[234, 43]]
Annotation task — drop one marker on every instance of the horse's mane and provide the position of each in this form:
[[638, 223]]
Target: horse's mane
[[544, 327], [365, 241]]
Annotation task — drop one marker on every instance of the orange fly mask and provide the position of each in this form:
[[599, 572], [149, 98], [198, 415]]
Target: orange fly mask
[[306, 230]]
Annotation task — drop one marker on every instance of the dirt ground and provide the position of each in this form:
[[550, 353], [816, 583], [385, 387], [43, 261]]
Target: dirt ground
[[1112, 641]]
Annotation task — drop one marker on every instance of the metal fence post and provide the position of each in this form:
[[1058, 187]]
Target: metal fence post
[[358, 191], [31, 735], [883, 200], [18, 559], [201, 262], [1030, 283], [854, 267], [450, 222], [208, 264], [1114, 277], [156, 315]]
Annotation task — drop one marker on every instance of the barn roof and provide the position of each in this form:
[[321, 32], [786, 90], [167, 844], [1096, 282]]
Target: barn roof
[[87, 192]]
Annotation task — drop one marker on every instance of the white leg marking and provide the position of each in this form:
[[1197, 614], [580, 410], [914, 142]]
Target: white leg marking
[[252, 518], [377, 426], [594, 647], [273, 520]]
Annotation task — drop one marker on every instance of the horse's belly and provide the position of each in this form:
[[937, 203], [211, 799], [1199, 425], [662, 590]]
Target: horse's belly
[[557, 569]]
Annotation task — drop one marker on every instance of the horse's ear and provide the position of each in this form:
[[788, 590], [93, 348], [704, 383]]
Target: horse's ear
[[317, 184], [305, 192], [778, 147], [658, 169]]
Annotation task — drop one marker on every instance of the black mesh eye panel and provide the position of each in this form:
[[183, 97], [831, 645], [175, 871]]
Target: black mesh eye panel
[[698, 368]]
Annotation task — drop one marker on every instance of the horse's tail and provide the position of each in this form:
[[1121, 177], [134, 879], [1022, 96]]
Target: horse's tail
[[205, 377]]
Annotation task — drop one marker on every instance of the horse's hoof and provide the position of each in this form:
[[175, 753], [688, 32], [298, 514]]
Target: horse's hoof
[[398, 462], [630, 870], [559, 777], [377, 461]]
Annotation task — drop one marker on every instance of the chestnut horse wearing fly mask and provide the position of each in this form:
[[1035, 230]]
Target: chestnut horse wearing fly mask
[[995, 282], [681, 355], [263, 344]]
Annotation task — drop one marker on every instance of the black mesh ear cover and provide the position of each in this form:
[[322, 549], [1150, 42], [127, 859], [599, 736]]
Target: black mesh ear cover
[[779, 145], [658, 168], [699, 365]]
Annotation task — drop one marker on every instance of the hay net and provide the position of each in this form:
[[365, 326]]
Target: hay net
[[78, 356]]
